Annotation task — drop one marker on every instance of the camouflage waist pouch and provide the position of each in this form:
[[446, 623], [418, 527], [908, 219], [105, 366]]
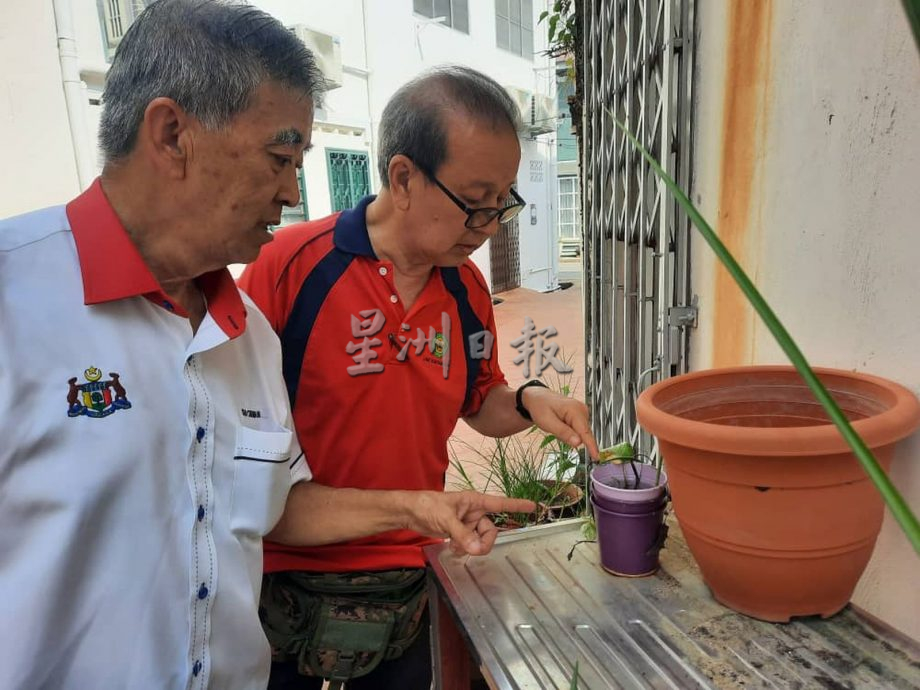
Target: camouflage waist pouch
[[342, 625]]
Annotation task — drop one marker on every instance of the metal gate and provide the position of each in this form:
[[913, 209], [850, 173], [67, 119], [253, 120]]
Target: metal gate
[[505, 257], [637, 67]]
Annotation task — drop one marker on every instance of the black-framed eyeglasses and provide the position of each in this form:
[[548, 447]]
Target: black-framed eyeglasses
[[481, 217]]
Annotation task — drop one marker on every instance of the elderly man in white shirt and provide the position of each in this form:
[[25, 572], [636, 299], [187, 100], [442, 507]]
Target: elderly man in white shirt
[[147, 444]]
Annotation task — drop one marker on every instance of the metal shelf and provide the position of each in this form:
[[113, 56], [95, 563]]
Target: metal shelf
[[527, 614]]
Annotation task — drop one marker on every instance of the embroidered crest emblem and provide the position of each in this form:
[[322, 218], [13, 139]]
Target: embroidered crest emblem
[[95, 397], [438, 349]]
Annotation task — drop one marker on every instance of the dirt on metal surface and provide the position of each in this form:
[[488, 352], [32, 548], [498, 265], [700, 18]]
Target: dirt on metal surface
[[531, 613]]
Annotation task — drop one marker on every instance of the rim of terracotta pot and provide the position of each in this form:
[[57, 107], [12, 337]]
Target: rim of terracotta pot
[[899, 419]]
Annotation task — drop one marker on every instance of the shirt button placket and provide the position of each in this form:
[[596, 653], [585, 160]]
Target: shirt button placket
[[202, 557]]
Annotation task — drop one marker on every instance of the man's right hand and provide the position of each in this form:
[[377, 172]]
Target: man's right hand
[[461, 517]]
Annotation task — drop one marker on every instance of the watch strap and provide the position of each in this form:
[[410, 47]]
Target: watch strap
[[519, 398]]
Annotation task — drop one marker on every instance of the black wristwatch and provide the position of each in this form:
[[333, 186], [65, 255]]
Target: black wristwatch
[[519, 398]]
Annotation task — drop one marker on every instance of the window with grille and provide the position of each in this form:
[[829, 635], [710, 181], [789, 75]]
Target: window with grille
[[569, 208], [301, 212], [349, 178], [514, 26], [455, 12], [116, 17]]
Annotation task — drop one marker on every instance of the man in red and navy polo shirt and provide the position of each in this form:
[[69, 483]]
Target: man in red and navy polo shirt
[[387, 337]]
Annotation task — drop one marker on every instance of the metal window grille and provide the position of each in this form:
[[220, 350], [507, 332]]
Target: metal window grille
[[349, 179], [117, 17], [638, 65], [301, 212], [116, 21]]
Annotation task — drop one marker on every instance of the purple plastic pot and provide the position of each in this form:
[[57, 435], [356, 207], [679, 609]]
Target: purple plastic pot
[[629, 543], [607, 483]]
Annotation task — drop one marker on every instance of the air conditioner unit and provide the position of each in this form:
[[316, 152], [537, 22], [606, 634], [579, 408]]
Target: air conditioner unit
[[538, 112], [524, 101], [544, 115], [327, 49]]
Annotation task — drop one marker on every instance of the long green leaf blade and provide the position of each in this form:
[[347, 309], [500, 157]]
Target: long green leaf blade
[[896, 503], [912, 10]]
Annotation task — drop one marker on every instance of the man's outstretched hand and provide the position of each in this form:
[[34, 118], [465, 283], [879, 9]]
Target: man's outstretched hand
[[461, 516]]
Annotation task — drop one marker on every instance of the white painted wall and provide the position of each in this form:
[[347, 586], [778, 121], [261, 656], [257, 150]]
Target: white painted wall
[[38, 158], [402, 44], [832, 231], [537, 222], [383, 43], [90, 33]]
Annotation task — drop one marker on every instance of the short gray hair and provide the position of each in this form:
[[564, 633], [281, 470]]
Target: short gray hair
[[209, 56], [413, 121]]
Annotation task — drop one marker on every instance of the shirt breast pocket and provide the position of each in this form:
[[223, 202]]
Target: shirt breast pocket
[[261, 479]]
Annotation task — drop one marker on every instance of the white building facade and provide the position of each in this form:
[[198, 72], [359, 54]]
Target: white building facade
[[56, 53]]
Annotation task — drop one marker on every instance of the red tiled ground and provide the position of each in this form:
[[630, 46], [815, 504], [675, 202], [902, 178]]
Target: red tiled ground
[[562, 309]]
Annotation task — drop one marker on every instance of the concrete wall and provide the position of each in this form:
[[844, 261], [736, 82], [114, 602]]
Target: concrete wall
[[807, 163], [38, 162]]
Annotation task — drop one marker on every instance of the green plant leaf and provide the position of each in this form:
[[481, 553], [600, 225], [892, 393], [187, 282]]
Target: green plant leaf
[[543, 15], [912, 10], [574, 684], [618, 454], [589, 529], [899, 508]]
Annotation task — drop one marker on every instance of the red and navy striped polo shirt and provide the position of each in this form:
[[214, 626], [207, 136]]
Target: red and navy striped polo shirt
[[373, 408]]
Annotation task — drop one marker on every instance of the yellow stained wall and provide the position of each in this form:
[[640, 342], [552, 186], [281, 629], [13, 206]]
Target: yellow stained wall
[[745, 112], [807, 162]]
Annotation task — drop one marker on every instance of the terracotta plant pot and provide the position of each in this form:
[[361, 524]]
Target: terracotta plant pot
[[564, 504], [777, 511]]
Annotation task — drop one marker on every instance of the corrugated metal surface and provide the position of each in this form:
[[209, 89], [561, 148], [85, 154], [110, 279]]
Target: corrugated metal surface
[[530, 614]]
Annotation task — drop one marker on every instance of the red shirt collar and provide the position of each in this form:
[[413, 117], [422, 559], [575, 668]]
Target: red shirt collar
[[113, 268]]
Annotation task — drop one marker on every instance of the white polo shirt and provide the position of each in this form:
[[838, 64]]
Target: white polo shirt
[[139, 465]]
